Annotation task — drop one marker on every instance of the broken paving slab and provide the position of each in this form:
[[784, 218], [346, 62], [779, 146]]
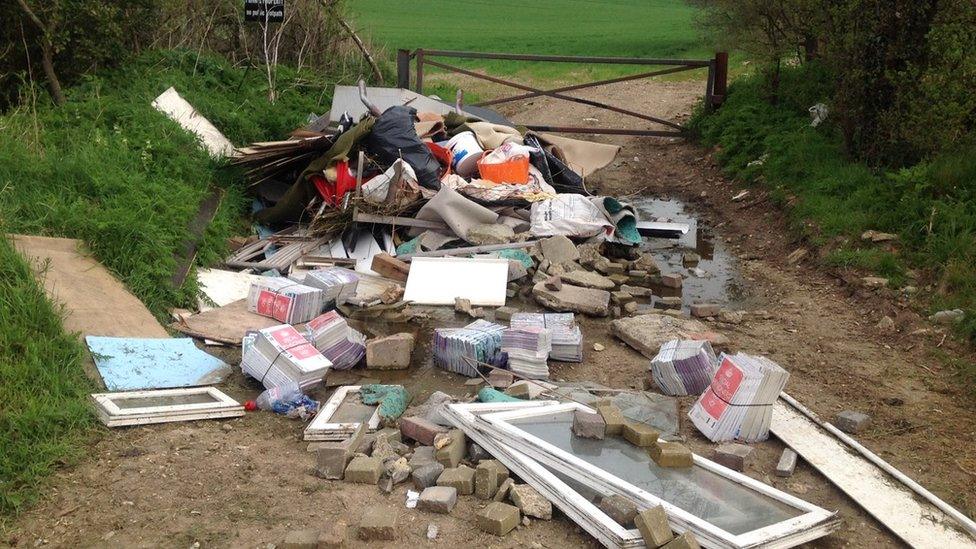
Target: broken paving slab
[[573, 299], [646, 333], [128, 364]]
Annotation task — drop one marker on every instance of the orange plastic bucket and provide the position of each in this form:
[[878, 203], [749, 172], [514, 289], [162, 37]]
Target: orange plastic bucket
[[515, 170]]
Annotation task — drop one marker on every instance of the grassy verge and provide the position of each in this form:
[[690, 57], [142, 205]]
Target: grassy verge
[[43, 414], [931, 206]]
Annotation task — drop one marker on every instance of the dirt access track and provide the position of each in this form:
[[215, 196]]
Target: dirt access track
[[247, 482]]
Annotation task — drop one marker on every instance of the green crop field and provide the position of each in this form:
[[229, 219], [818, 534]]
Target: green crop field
[[624, 28]]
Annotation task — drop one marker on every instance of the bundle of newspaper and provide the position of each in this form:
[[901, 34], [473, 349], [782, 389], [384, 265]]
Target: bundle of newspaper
[[338, 285], [285, 300], [281, 354], [528, 351], [480, 341], [684, 367], [336, 340], [738, 403], [567, 339]]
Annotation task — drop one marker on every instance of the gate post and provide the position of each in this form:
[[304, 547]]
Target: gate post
[[403, 69], [419, 83], [721, 86]]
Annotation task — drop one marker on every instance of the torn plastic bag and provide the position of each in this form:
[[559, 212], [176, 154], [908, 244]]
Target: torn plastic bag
[[393, 137], [377, 189], [622, 216], [569, 215], [555, 172]]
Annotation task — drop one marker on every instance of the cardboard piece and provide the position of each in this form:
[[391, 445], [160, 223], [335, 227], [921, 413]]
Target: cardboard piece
[[226, 324]]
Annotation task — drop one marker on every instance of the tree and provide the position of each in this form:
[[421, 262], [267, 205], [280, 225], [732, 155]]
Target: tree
[[47, 51]]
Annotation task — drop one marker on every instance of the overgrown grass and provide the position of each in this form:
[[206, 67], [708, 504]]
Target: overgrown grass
[[931, 206], [43, 414], [109, 169]]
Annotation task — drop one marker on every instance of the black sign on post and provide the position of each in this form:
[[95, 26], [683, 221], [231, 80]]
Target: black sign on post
[[272, 11]]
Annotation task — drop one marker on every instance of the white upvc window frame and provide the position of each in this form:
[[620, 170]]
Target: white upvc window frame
[[815, 522], [112, 415], [323, 429]]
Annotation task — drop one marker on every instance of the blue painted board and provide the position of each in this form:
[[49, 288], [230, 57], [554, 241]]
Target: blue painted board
[[127, 363]]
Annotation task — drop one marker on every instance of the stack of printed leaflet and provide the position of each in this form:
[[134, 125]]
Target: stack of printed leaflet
[[738, 403], [567, 339], [281, 354], [684, 367], [479, 341], [528, 351], [336, 340], [337, 284], [285, 300]]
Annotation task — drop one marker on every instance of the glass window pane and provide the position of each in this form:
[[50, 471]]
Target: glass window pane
[[707, 495], [171, 400], [352, 410]]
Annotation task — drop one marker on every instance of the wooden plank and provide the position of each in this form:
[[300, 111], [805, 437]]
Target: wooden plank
[[402, 221], [390, 267], [915, 521], [470, 250], [197, 227]]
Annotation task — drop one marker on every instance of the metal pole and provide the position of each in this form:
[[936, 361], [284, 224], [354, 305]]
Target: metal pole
[[403, 69]]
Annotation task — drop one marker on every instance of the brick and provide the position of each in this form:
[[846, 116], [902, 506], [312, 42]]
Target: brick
[[500, 379], [671, 280], [426, 475], [732, 455], [378, 523], [589, 425], [331, 458], [333, 537], [685, 540], [488, 476], [653, 526], [451, 454], [438, 499], [505, 313], [613, 417], [640, 434], [852, 422], [389, 353], [498, 518], [364, 470], [503, 490], [554, 283], [530, 502], [301, 539], [620, 509], [461, 478], [787, 463], [705, 310], [390, 267], [671, 455], [421, 430]]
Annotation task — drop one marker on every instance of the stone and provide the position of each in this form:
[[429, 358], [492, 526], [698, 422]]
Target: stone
[[488, 476], [386, 484], [364, 470], [690, 259], [389, 434], [426, 475], [476, 454], [432, 531], [305, 538], [671, 455], [646, 333], [438, 499], [786, 464], [732, 455], [878, 236], [705, 310], [616, 311], [613, 418], [598, 347], [731, 317], [886, 324], [420, 429], [498, 518], [505, 313], [463, 306], [333, 537], [619, 279], [668, 302], [641, 435], [684, 540], [589, 253], [378, 523], [331, 458], [516, 270], [526, 389], [874, 282], [653, 526], [615, 267], [389, 353], [620, 509], [645, 262], [602, 265], [620, 298], [503, 490], [672, 280], [573, 299], [383, 449], [631, 307], [852, 422], [490, 233], [948, 316], [460, 477], [422, 455], [530, 501], [589, 425], [588, 279], [398, 470], [554, 283], [558, 249], [636, 291], [500, 379]]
